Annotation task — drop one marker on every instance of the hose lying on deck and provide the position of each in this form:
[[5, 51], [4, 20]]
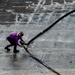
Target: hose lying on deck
[[41, 33], [48, 28], [41, 62], [23, 44]]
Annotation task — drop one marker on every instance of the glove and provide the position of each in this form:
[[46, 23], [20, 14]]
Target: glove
[[22, 43]]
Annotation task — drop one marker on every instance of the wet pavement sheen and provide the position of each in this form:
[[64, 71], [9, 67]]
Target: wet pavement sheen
[[56, 47]]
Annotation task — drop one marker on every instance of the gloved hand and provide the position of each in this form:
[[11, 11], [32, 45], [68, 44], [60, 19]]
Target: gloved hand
[[22, 43]]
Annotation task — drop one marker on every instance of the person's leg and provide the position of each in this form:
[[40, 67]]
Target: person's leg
[[11, 43], [7, 47], [15, 48]]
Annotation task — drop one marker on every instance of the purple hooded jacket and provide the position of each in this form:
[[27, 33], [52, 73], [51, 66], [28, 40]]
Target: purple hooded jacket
[[15, 37]]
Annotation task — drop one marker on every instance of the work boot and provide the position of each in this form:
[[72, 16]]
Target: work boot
[[16, 51], [7, 48]]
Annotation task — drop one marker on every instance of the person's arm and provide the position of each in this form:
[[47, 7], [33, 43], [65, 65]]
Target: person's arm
[[18, 44], [23, 41], [16, 41]]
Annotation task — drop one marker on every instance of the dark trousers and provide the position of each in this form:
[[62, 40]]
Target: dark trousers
[[12, 43]]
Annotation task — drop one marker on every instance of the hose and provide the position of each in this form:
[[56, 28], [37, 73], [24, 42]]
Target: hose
[[48, 28], [41, 33]]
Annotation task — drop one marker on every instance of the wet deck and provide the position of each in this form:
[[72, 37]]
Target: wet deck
[[56, 47]]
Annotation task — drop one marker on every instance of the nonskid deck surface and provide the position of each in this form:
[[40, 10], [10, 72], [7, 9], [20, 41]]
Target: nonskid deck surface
[[56, 47]]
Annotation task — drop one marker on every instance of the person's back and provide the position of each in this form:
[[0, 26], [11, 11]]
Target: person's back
[[12, 35]]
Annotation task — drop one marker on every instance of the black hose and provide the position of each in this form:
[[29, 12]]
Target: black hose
[[41, 62], [38, 59], [45, 30], [40, 35]]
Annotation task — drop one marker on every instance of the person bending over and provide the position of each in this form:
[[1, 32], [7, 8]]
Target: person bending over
[[13, 39]]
